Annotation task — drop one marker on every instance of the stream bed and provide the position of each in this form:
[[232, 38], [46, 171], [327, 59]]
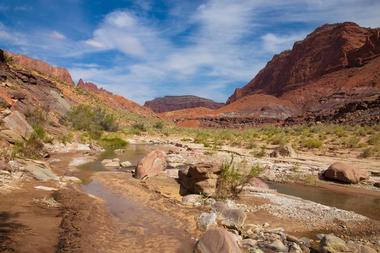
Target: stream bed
[[143, 228], [360, 203]]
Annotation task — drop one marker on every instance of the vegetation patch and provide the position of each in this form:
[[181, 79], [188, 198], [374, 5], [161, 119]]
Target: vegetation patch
[[112, 143], [93, 120]]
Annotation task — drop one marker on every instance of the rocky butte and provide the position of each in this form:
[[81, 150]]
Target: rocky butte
[[173, 103]]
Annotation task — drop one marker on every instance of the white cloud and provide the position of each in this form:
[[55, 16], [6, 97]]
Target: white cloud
[[57, 35], [276, 43], [121, 30]]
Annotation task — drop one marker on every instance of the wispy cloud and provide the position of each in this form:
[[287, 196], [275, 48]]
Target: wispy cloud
[[57, 35]]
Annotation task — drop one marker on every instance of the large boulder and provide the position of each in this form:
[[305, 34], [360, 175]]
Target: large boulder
[[16, 127], [152, 164], [199, 178], [217, 240], [345, 173]]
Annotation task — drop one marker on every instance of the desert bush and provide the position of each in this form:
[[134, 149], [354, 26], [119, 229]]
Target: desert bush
[[31, 148], [91, 119], [261, 152], [139, 126], [232, 179], [374, 139], [112, 143], [351, 142], [310, 143], [66, 137], [158, 125], [368, 152], [8, 59]]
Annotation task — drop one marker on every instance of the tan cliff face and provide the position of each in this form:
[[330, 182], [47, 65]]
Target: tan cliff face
[[329, 49], [26, 62]]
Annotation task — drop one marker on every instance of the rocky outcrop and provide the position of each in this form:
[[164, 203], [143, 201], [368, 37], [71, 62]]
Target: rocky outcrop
[[152, 164], [328, 49], [16, 127], [217, 240], [345, 173], [26, 62], [199, 179], [173, 103]]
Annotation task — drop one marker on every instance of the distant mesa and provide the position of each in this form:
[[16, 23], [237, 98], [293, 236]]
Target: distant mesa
[[173, 103]]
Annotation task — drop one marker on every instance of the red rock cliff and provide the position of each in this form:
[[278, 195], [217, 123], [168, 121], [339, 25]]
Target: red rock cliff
[[328, 49], [61, 74]]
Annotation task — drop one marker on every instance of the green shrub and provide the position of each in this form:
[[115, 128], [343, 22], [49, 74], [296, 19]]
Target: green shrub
[[261, 152], [374, 139], [94, 120], [31, 148], [311, 143], [113, 143], [66, 138], [8, 59], [368, 152], [139, 126], [232, 180], [158, 125]]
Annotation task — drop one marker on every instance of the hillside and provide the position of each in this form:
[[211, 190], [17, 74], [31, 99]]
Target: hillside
[[28, 96], [173, 103]]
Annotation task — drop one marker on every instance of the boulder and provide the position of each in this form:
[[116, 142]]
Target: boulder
[[125, 164], [192, 200], [345, 173], [40, 171], [200, 178], [206, 220], [332, 244], [277, 246], [217, 240], [17, 126], [4, 166], [111, 163], [259, 183], [152, 164]]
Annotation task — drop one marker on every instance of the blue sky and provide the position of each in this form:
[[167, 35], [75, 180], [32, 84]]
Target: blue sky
[[148, 48]]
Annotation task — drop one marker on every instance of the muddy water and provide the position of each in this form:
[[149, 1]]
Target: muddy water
[[142, 228], [360, 203]]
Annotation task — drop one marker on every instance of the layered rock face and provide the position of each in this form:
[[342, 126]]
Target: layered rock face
[[328, 49], [61, 74], [173, 103]]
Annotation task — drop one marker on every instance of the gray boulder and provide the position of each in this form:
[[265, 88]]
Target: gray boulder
[[217, 240]]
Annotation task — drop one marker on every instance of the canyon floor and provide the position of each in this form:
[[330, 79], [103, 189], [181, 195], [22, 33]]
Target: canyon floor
[[45, 208]]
